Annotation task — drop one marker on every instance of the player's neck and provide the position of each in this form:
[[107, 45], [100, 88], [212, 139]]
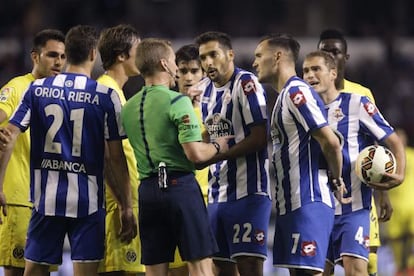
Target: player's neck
[[83, 69], [118, 75], [160, 78], [330, 95], [340, 82], [284, 75]]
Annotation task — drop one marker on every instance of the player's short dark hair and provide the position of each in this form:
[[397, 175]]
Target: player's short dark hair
[[187, 53], [115, 41], [284, 41], [79, 41], [222, 38], [42, 37], [333, 34]]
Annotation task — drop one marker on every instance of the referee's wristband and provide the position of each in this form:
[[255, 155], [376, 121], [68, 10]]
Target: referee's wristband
[[217, 146]]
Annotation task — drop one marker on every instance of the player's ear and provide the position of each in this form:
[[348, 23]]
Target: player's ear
[[122, 57], [93, 54], [347, 56], [230, 53], [35, 57], [277, 55], [334, 74]]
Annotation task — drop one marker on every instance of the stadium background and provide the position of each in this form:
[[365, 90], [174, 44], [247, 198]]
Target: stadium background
[[380, 35]]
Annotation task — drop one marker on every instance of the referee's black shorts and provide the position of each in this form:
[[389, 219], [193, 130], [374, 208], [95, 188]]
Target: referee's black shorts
[[176, 216]]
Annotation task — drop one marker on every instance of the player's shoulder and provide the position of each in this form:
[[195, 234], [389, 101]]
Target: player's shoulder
[[357, 88], [19, 82], [247, 81], [295, 84]]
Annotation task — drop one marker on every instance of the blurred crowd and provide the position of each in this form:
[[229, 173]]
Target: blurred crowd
[[389, 75]]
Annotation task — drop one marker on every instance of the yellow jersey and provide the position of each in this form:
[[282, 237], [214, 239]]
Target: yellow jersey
[[16, 184], [353, 87], [402, 196], [129, 152], [202, 175]]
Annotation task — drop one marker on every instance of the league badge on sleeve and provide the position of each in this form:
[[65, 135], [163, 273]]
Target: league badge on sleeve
[[5, 93]]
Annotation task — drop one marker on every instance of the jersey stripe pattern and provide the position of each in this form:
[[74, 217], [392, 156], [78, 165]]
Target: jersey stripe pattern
[[70, 116], [301, 170], [359, 123], [231, 110]]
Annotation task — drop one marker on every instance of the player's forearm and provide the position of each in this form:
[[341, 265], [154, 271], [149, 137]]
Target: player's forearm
[[8, 138], [118, 174], [333, 156], [122, 187], [397, 148], [331, 149]]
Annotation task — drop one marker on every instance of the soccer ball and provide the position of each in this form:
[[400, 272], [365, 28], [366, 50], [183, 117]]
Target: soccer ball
[[372, 162]]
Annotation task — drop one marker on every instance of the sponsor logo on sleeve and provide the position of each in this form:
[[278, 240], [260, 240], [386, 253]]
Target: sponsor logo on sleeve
[[370, 108], [298, 98], [248, 87]]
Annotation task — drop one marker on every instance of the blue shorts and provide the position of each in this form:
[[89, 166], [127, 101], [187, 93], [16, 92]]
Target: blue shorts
[[176, 216], [46, 235], [241, 226], [302, 237], [350, 236]]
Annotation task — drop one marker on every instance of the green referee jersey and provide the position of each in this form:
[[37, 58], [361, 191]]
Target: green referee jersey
[[157, 121]]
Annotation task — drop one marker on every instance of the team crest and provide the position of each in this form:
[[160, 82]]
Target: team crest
[[5, 93], [308, 248], [131, 256], [218, 126], [248, 87], [338, 114], [18, 252], [298, 98], [259, 236], [227, 96], [69, 83], [370, 108]]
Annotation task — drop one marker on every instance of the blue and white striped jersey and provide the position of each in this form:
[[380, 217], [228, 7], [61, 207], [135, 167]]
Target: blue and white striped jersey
[[231, 110], [70, 117], [301, 169], [360, 123]]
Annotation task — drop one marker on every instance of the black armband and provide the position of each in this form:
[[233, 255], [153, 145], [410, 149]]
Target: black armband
[[217, 146]]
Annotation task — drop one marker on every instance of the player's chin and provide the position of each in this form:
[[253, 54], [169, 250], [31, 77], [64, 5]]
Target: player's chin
[[55, 72]]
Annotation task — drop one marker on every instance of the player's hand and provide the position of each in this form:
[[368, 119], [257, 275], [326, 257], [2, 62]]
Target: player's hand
[[223, 141], [385, 206], [5, 138], [3, 205], [129, 226], [340, 190], [392, 180], [194, 93]]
